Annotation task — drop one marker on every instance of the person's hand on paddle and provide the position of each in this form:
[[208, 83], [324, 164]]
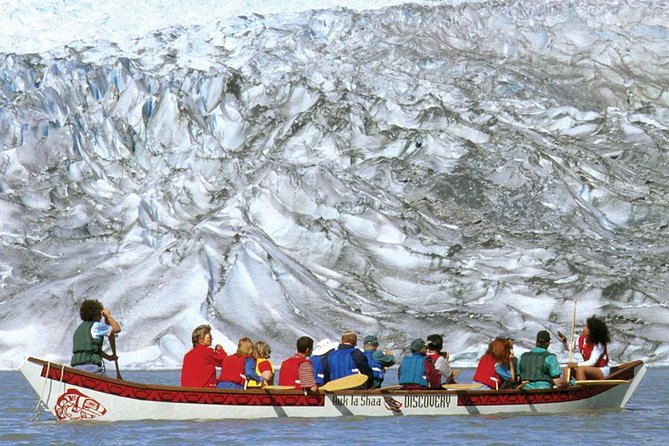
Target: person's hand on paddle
[[109, 356]]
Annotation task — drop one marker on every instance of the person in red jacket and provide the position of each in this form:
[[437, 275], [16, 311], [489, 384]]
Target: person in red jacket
[[199, 364], [592, 345], [240, 368], [486, 370], [297, 370]]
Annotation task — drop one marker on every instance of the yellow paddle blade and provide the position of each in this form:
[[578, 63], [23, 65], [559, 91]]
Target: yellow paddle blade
[[599, 382], [347, 382], [464, 386], [273, 387]]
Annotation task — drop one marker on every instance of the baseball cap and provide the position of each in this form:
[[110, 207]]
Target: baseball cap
[[371, 339], [543, 337], [417, 344]]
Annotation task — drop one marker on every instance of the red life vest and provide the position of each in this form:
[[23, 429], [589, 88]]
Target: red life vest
[[290, 375], [233, 369], [486, 373], [433, 355], [586, 347]]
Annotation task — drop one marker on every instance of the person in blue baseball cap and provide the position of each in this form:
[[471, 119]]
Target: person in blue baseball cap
[[379, 360], [417, 371]]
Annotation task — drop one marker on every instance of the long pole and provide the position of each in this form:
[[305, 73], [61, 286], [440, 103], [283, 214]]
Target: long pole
[[112, 344], [571, 342]]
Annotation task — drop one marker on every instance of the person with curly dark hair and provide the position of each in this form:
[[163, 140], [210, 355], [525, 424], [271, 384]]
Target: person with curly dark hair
[[97, 323], [592, 344]]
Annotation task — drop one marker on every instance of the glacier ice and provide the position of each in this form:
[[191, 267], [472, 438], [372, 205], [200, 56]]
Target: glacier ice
[[465, 168]]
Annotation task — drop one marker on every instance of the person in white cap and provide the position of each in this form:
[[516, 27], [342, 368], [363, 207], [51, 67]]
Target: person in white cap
[[319, 357]]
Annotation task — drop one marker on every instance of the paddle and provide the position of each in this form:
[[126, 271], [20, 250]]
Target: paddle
[[463, 386], [112, 344], [388, 388], [347, 382], [571, 343], [276, 387], [599, 382]]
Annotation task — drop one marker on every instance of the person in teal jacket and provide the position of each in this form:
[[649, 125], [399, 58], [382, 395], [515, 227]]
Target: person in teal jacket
[[540, 367]]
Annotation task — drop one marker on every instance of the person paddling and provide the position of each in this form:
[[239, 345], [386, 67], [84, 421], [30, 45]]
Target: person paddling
[[97, 323]]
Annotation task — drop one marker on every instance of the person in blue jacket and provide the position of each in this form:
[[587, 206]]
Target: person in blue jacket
[[417, 371], [379, 360], [347, 360], [319, 357]]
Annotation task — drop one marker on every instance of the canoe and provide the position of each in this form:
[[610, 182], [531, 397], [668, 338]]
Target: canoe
[[71, 394]]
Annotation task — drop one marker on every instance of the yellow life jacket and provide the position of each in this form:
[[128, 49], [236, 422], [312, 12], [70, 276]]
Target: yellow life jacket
[[252, 383]]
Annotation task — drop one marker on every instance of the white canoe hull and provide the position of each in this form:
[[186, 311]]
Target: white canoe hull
[[70, 394]]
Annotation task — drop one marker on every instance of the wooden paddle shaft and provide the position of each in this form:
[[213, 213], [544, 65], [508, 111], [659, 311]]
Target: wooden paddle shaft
[[571, 342], [112, 344]]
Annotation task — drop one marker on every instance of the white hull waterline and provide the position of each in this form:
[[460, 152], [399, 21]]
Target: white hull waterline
[[70, 394]]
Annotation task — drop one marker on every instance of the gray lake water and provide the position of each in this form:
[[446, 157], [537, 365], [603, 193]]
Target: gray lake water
[[643, 421]]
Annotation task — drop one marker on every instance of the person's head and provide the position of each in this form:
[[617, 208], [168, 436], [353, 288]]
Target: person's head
[[500, 349], [543, 339], [506, 336], [349, 337], [370, 342], [597, 331], [90, 310], [435, 342], [263, 350], [305, 345], [418, 346], [201, 335], [245, 347]]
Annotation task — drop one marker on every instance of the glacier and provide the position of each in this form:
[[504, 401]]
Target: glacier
[[305, 168]]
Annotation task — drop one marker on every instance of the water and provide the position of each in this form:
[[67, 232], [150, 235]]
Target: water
[[642, 422]]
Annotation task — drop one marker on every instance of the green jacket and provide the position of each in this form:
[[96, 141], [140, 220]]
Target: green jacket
[[86, 349], [539, 367]]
